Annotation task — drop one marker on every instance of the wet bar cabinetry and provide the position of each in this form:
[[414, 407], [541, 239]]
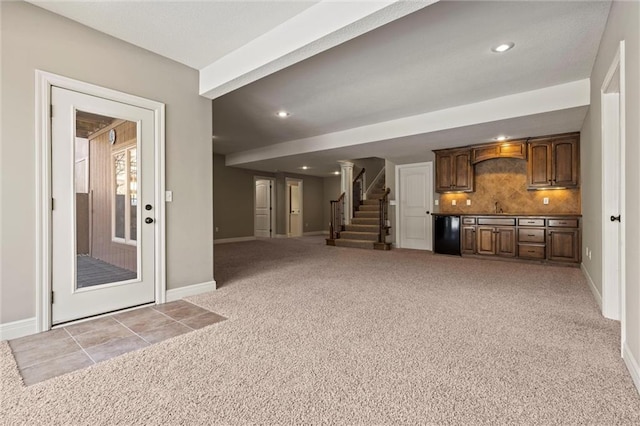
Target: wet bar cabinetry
[[454, 171], [554, 239], [552, 162]]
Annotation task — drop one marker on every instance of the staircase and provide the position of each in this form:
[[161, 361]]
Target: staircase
[[364, 230]]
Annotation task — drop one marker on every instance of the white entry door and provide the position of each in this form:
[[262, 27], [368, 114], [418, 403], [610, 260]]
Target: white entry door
[[263, 209], [102, 236], [415, 197]]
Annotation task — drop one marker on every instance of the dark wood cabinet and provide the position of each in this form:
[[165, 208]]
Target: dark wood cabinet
[[468, 239], [454, 171], [496, 236], [496, 241], [564, 240], [511, 149], [541, 238], [554, 162]]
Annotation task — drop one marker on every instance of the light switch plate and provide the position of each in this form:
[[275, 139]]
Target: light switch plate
[[453, 202], [437, 202], [168, 196], [545, 200], [468, 202]]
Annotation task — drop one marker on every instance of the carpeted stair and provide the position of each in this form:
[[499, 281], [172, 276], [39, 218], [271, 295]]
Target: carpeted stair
[[363, 230]]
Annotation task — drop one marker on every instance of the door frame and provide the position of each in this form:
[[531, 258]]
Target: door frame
[[287, 182], [429, 166], [613, 293], [272, 192], [44, 82]]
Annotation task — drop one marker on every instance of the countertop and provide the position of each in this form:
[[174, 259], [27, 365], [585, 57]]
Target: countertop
[[508, 214]]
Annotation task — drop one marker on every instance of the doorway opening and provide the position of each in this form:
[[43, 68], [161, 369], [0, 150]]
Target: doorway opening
[[294, 207]]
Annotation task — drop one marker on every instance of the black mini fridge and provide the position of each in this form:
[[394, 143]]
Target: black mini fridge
[[446, 234]]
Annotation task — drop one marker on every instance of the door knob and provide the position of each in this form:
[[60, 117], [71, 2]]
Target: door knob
[[148, 207], [615, 218], [148, 220]]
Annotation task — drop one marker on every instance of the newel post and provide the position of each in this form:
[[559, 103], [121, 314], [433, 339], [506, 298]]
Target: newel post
[[346, 186]]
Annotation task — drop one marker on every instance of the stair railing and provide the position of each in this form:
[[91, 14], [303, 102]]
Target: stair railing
[[382, 226], [337, 217], [358, 191], [378, 179]]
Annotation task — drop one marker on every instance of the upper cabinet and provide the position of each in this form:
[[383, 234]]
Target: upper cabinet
[[511, 149], [454, 171], [554, 162]]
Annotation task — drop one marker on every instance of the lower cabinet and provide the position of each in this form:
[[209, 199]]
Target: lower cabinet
[[553, 239], [496, 241], [564, 245], [468, 239]]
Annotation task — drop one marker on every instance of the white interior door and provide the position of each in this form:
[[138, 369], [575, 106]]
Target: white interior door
[[262, 217], [415, 197], [295, 208], [117, 272], [613, 193]]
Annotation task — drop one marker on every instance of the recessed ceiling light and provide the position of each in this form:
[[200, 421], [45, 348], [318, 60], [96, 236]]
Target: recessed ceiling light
[[283, 114], [304, 167], [501, 138], [336, 173], [503, 47]]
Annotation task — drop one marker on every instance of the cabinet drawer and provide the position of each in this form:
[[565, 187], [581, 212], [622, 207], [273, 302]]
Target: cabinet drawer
[[468, 220], [531, 252], [531, 235], [531, 222], [497, 221], [563, 223]]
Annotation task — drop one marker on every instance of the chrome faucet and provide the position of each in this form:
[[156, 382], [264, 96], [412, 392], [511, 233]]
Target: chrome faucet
[[498, 210]]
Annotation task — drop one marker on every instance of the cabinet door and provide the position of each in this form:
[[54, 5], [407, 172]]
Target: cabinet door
[[565, 162], [506, 242], [564, 245], [485, 240], [468, 240], [444, 172], [462, 171], [539, 165]]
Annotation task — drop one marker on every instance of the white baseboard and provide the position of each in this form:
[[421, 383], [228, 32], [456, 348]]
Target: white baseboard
[[309, 234], [632, 366], [190, 290], [233, 240], [592, 286], [15, 329]]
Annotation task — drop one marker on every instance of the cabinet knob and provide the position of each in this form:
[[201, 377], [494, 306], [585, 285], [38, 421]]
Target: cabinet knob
[[148, 220], [615, 218]]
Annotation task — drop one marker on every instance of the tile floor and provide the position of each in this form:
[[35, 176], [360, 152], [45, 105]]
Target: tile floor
[[63, 350]]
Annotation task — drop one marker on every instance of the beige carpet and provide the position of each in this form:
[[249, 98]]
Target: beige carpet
[[331, 335]]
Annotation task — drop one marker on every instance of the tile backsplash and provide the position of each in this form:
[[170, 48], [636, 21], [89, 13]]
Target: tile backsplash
[[504, 180]]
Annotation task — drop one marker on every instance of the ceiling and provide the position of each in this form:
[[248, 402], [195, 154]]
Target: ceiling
[[375, 79]]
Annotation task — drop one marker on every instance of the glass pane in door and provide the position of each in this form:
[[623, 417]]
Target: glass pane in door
[[106, 173]]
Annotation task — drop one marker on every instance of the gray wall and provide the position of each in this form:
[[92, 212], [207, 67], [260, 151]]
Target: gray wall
[[233, 204], [31, 39], [331, 192], [372, 166], [233, 193], [622, 25]]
